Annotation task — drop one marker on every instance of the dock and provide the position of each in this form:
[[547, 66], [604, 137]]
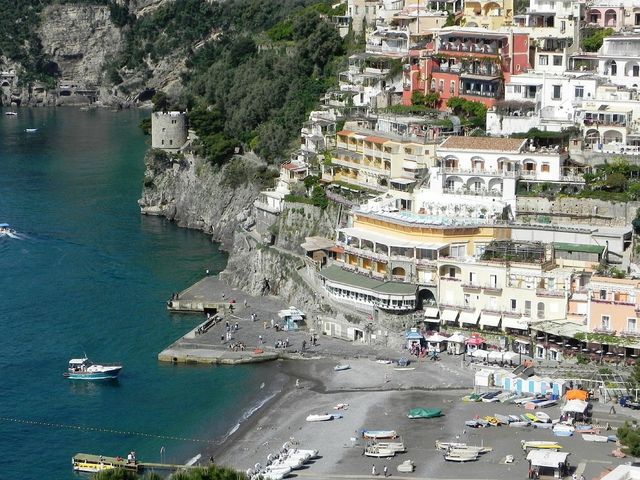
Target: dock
[[87, 462], [197, 299]]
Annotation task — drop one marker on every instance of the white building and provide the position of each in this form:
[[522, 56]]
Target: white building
[[619, 60]]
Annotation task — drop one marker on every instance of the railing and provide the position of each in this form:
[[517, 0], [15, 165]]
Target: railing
[[492, 289], [482, 172], [475, 93], [604, 330], [471, 286], [480, 193], [541, 292], [630, 333]]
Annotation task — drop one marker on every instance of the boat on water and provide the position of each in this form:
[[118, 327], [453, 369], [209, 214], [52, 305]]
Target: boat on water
[[11, 113], [375, 434], [5, 229], [341, 367], [30, 130], [319, 417], [85, 369]]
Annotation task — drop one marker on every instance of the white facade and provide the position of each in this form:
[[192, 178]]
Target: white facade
[[619, 60]]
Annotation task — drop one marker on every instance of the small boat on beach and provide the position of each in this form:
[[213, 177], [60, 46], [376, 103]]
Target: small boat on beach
[[460, 455], [503, 419], [30, 130], [85, 369], [540, 444], [520, 423], [591, 437], [397, 446], [424, 413], [543, 417], [562, 430], [341, 367], [461, 446], [319, 417], [375, 434], [378, 451]]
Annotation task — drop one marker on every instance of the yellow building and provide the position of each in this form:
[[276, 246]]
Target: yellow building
[[491, 14], [379, 161]]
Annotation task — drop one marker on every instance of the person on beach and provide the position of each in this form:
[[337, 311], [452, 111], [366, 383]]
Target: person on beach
[[236, 327], [264, 324], [304, 344], [245, 303], [272, 323], [373, 470], [260, 339], [385, 470]]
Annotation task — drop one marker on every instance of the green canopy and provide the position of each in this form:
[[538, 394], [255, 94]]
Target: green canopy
[[424, 413]]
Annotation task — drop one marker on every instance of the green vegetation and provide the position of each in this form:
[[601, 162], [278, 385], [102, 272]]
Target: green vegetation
[[474, 114], [629, 436], [429, 100], [212, 472], [592, 38], [145, 126], [615, 181], [121, 474]]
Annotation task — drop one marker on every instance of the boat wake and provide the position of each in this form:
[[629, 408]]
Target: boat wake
[[15, 235], [246, 415]]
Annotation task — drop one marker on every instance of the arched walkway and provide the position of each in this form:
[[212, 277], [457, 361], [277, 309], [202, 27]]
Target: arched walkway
[[495, 185], [592, 136], [476, 184], [610, 18], [611, 136]]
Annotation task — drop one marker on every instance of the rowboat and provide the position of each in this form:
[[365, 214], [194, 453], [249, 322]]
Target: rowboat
[[341, 367], [461, 446], [561, 430], [541, 444], [319, 417], [460, 455], [375, 434], [531, 417], [378, 452], [520, 423], [503, 419], [590, 437], [543, 417], [397, 447]]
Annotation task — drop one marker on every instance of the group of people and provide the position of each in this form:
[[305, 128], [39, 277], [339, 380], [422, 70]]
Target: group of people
[[282, 343], [238, 346], [374, 470]]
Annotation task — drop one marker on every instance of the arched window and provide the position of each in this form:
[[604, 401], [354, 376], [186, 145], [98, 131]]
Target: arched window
[[614, 68], [540, 310]]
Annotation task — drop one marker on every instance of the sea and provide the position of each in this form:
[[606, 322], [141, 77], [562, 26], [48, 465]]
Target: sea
[[87, 274]]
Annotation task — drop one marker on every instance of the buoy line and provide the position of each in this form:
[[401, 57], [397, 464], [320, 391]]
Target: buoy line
[[102, 430]]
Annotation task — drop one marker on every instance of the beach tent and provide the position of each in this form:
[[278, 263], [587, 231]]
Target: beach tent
[[548, 463], [413, 336], [424, 413], [483, 378], [436, 342], [474, 343], [455, 343], [576, 394], [290, 318]]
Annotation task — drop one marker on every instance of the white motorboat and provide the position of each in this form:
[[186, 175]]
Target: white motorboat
[[5, 229], [341, 367], [11, 114], [376, 434], [455, 455], [30, 130], [460, 447], [85, 369], [562, 430], [319, 417]]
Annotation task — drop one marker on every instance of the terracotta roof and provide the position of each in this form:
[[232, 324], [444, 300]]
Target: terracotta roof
[[376, 139], [345, 132], [494, 144], [294, 166]]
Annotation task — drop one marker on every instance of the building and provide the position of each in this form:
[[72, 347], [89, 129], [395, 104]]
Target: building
[[472, 63], [366, 80], [613, 306], [168, 130], [318, 133], [379, 161], [619, 60], [616, 14], [488, 14]]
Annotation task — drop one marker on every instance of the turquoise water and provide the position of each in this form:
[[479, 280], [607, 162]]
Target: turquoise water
[[89, 274]]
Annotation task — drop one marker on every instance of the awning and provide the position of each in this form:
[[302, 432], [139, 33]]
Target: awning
[[457, 338], [490, 319], [575, 406], [431, 312], [470, 318], [436, 338], [388, 239], [513, 322], [449, 315]]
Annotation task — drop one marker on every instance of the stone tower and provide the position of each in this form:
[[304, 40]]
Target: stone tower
[[168, 130]]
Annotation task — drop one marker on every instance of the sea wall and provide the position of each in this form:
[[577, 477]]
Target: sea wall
[[193, 193]]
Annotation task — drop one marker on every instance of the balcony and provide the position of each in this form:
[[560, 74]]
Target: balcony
[[471, 286], [481, 172], [629, 333], [541, 292], [477, 193], [469, 48], [492, 290], [606, 330], [479, 93], [451, 279]]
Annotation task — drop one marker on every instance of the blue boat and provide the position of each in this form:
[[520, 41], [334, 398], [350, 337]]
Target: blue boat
[[5, 229], [85, 369]]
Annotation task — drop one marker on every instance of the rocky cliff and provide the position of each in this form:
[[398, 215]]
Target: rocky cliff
[[194, 194], [79, 38]]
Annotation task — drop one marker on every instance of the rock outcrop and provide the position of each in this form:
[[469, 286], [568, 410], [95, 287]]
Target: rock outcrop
[[79, 38], [194, 194]]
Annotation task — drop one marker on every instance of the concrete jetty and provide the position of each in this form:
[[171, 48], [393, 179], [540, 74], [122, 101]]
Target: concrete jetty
[[199, 298]]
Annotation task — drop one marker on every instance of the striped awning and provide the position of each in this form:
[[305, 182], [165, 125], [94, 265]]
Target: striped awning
[[449, 315], [513, 322], [490, 319], [470, 318]]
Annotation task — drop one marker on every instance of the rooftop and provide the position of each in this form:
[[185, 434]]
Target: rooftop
[[578, 247], [488, 144], [338, 275]]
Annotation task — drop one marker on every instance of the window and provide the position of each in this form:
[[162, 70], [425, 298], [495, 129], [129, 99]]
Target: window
[[603, 294], [170, 142], [452, 272], [514, 304], [543, 59], [493, 281], [408, 151], [557, 92], [635, 71], [473, 278], [545, 167], [467, 299], [162, 142], [557, 60], [604, 322], [441, 85], [631, 324], [637, 22], [540, 310], [479, 249], [458, 250], [579, 92], [517, 88], [527, 308], [614, 68], [452, 87]]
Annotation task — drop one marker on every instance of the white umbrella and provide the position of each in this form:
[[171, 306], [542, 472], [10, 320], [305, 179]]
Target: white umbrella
[[480, 354], [437, 338], [457, 338]]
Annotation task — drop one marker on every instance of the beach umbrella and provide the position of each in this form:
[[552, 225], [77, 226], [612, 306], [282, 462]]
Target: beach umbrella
[[480, 354]]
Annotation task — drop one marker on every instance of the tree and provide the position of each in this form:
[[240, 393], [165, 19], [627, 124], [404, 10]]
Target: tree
[[629, 436], [616, 182], [593, 42], [160, 102]]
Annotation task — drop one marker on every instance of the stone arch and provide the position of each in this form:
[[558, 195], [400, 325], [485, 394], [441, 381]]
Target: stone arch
[[611, 68], [446, 270], [528, 165], [632, 69], [610, 18], [477, 164], [476, 184], [611, 136], [425, 297], [399, 272], [489, 7], [592, 136], [495, 185], [454, 182]]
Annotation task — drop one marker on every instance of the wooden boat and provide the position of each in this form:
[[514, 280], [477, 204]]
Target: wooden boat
[[341, 367], [319, 417], [545, 426], [379, 452], [461, 446], [591, 437], [376, 434], [397, 447], [540, 444], [561, 430], [456, 455], [514, 418], [543, 417], [520, 423]]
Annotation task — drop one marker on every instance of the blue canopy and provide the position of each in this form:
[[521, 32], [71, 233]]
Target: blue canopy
[[413, 335], [4, 225]]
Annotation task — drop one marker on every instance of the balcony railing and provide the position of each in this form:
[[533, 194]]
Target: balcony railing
[[481, 172], [604, 330], [492, 289], [541, 292], [478, 193], [476, 93], [630, 333], [471, 286]]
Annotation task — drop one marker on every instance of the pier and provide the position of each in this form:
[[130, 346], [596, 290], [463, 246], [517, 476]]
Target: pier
[[87, 462], [197, 299]]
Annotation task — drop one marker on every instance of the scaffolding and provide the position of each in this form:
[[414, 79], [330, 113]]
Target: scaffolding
[[514, 251]]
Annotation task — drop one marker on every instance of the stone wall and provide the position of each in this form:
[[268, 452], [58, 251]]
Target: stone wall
[[577, 210], [300, 220]]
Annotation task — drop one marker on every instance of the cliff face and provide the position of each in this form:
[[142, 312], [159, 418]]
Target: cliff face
[[79, 38], [189, 191]]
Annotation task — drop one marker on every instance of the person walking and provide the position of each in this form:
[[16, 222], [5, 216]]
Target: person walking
[[385, 470], [304, 344], [260, 339], [374, 472], [612, 410]]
